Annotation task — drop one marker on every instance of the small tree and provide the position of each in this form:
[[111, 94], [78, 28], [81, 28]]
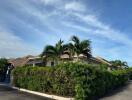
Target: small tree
[[3, 68], [119, 64]]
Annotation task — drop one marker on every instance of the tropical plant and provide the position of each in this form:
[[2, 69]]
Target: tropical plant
[[76, 47], [3, 68], [80, 47], [3, 64], [119, 64], [54, 52]]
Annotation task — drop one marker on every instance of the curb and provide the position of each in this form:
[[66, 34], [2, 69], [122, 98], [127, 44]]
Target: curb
[[43, 94], [38, 93]]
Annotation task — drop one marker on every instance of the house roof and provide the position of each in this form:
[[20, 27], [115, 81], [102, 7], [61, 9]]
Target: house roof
[[80, 56], [102, 60], [18, 62], [65, 56]]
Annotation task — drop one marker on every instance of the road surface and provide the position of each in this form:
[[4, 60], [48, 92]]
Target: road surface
[[124, 93], [7, 93]]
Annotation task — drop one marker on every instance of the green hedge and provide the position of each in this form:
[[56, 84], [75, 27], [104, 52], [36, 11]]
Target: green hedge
[[84, 82], [3, 69], [129, 70]]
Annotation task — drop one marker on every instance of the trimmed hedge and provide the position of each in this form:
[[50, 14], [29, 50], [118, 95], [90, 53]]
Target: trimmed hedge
[[129, 70], [82, 81]]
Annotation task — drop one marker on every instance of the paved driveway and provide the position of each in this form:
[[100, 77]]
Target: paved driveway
[[7, 93], [124, 93]]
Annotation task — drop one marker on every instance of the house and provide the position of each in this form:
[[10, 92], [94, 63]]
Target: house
[[82, 58], [27, 60], [38, 61]]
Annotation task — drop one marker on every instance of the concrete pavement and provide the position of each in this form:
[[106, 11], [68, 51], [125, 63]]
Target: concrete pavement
[[124, 93], [7, 93]]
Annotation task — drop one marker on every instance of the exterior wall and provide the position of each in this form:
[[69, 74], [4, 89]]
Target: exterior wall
[[36, 62], [48, 63], [51, 63], [83, 60]]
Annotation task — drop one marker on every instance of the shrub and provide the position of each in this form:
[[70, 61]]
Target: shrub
[[82, 81], [3, 68], [129, 70]]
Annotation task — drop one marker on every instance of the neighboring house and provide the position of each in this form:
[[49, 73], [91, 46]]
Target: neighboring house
[[37, 61], [34, 61], [82, 58], [104, 61], [28, 60]]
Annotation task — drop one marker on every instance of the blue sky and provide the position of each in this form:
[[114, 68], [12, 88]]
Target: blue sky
[[26, 26]]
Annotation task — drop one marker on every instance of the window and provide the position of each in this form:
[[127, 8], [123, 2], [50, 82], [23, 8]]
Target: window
[[52, 63]]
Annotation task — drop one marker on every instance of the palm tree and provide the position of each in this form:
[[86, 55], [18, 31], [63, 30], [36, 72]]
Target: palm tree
[[69, 49], [80, 47], [53, 52], [76, 47], [120, 64]]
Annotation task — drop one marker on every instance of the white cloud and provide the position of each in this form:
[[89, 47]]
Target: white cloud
[[98, 28], [50, 2], [13, 46], [92, 20], [118, 52], [75, 6], [67, 11]]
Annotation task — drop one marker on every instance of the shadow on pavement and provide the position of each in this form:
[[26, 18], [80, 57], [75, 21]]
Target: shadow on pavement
[[118, 90], [7, 93]]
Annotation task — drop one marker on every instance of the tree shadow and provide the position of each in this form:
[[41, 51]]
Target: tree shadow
[[117, 90]]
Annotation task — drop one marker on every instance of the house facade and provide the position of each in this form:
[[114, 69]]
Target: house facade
[[38, 61]]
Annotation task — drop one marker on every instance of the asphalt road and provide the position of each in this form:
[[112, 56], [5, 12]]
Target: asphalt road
[[124, 93], [6, 93]]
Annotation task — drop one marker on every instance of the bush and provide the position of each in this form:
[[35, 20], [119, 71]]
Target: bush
[[129, 70], [82, 81], [3, 69]]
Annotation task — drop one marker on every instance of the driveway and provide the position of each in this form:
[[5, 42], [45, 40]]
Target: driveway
[[124, 93], [7, 93]]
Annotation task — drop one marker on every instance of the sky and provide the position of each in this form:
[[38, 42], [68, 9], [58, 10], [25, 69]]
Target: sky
[[27, 26]]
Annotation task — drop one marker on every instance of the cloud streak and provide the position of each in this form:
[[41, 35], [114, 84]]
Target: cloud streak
[[13, 46], [75, 6], [40, 22], [98, 28]]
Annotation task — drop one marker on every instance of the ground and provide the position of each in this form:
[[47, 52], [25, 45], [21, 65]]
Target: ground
[[7, 93], [124, 93]]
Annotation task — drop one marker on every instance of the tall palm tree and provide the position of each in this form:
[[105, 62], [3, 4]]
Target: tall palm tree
[[80, 47], [54, 52]]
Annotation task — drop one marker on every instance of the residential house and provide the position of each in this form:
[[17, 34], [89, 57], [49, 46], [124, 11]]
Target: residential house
[[38, 61], [28, 60]]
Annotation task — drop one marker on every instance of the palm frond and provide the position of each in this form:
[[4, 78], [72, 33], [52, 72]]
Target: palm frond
[[75, 39]]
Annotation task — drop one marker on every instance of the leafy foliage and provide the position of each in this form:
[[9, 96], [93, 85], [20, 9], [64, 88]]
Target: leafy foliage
[[81, 47], [76, 47], [3, 68], [82, 81], [119, 64], [54, 51]]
